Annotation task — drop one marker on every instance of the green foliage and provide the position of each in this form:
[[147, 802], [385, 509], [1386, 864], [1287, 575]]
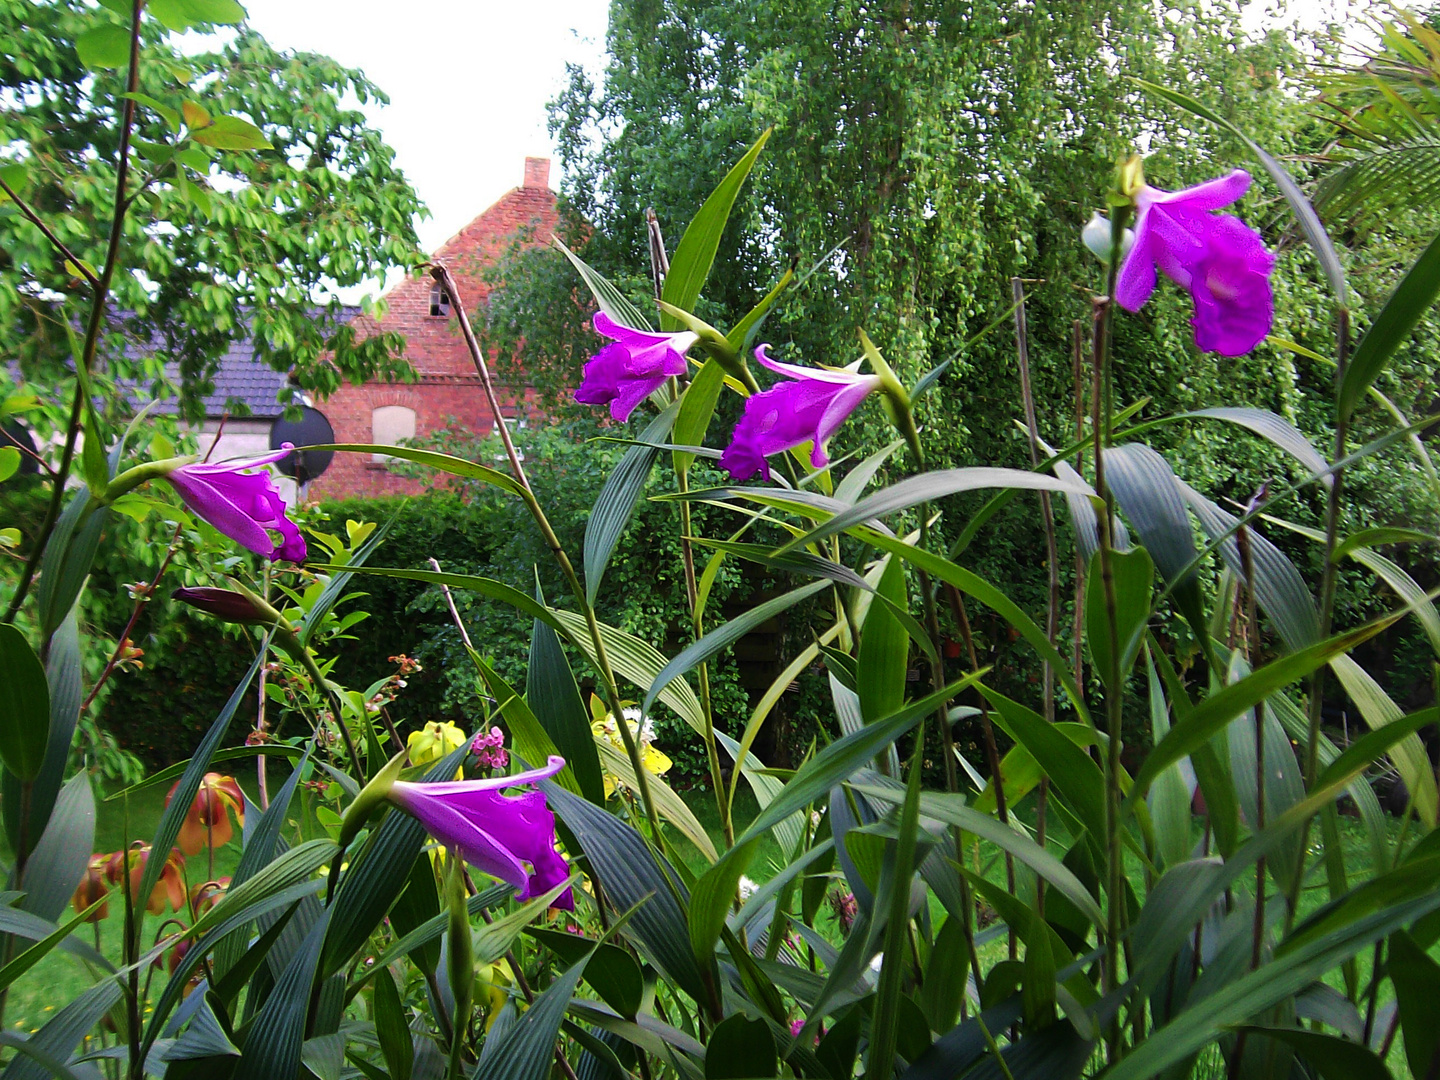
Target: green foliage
[[236, 227]]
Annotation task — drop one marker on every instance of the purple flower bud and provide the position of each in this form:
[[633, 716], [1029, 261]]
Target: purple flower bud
[[1220, 259], [224, 604], [809, 407], [499, 834], [634, 365], [244, 506]]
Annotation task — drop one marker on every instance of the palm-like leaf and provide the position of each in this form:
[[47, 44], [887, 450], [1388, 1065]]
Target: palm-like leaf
[[1386, 154]]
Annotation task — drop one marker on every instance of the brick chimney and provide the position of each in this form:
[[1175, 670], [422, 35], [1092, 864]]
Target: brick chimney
[[537, 172]]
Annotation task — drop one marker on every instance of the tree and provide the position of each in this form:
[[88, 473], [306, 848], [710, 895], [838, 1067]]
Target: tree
[[258, 188]]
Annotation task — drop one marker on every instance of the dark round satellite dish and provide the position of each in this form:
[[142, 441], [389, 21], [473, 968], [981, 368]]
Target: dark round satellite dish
[[310, 430], [13, 433], [1431, 431]]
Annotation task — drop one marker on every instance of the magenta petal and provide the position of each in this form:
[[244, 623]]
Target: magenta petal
[[500, 834], [244, 506], [807, 406], [630, 368], [1220, 260]]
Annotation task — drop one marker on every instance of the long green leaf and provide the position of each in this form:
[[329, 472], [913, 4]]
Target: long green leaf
[[1261, 988], [952, 810], [926, 488], [696, 410], [611, 300], [840, 760], [635, 660], [554, 698], [496, 590], [710, 901], [1392, 326], [631, 874], [447, 463], [1332, 1057], [670, 805], [528, 736], [189, 784], [1216, 711], [725, 635], [884, 648], [895, 888], [274, 1041], [696, 251], [973, 585], [24, 705], [60, 858]]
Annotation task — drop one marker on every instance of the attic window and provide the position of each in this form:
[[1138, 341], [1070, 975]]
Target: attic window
[[439, 302]]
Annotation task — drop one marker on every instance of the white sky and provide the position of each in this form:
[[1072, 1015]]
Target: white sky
[[495, 65]]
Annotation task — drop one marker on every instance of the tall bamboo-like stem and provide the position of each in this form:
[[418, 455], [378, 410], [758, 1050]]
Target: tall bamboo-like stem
[[1077, 362], [1327, 592], [1257, 930], [659, 268], [608, 684], [1052, 549], [1114, 691], [101, 293]]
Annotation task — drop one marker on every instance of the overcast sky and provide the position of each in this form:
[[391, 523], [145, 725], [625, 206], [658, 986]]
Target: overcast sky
[[468, 81]]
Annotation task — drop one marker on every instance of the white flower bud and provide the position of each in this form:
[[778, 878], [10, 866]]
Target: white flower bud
[[1096, 237]]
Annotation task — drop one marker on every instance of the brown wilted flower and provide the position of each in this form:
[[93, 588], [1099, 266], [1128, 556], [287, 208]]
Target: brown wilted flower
[[207, 823]]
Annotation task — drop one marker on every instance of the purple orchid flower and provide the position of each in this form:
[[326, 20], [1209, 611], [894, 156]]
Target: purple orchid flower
[[244, 506], [497, 833], [809, 407], [1220, 259], [625, 372]]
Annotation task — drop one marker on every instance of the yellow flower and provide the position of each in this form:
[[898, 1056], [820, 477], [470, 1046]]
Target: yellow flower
[[492, 986], [432, 742], [604, 727]]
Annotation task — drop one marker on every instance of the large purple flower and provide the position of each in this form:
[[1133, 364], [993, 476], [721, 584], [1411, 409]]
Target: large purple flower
[[497, 833], [1220, 259], [808, 407], [244, 506], [630, 368]]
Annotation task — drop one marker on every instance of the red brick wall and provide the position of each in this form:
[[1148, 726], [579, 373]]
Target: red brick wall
[[447, 391]]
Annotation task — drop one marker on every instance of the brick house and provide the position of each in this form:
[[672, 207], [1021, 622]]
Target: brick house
[[447, 390]]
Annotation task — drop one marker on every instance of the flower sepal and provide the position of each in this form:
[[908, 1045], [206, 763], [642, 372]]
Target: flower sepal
[[713, 342], [371, 796]]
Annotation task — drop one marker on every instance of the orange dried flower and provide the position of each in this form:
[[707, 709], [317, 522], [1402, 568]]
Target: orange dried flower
[[170, 887], [92, 888], [207, 823]]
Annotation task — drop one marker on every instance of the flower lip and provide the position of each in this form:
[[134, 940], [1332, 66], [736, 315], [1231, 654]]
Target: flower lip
[[632, 366], [1217, 257], [497, 833], [809, 405], [244, 506]]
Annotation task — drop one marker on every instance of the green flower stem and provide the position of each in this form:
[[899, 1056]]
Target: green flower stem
[[143, 473], [1114, 695], [1327, 596], [697, 621], [461, 957]]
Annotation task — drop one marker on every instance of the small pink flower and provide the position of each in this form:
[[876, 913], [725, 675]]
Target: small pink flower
[[489, 749], [1220, 259], [630, 368], [809, 406]]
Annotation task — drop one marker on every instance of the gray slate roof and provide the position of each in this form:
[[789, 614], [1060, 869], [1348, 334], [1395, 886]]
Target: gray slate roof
[[240, 379]]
